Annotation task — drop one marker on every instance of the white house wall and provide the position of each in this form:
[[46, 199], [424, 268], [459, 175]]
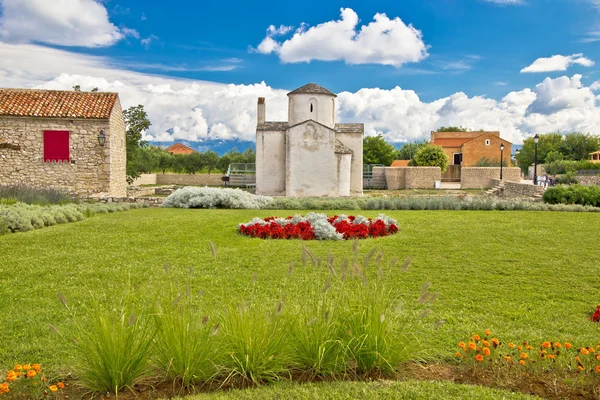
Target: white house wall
[[354, 141], [311, 162], [323, 109], [270, 163]]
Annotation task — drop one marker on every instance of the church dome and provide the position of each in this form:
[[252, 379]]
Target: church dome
[[311, 102], [312, 88]]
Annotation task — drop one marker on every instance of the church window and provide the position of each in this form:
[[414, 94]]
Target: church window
[[56, 146], [311, 108]]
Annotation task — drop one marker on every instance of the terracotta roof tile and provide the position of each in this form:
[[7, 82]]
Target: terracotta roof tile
[[400, 163], [179, 148], [56, 104]]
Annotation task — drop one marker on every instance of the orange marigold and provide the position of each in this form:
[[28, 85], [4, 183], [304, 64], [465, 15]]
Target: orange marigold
[[546, 345], [511, 345], [486, 343], [462, 345], [37, 367], [458, 354], [472, 345], [495, 341], [19, 374], [488, 332], [11, 376], [598, 357], [519, 347], [476, 338], [577, 359], [580, 368], [18, 367], [551, 356], [568, 345], [26, 366], [557, 345], [529, 347], [479, 358], [584, 351], [507, 358], [4, 388], [523, 355], [31, 373], [53, 388], [522, 362], [486, 351], [598, 368], [60, 385]]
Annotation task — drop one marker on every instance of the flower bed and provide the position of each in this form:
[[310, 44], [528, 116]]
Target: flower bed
[[320, 227]]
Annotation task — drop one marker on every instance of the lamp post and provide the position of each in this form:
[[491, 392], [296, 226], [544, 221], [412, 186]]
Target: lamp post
[[536, 139], [101, 138], [501, 158]]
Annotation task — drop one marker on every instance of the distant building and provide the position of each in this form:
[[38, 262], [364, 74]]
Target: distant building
[[180, 148], [467, 148], [309, 154], [400, 163], [67, 140], [595, 157]]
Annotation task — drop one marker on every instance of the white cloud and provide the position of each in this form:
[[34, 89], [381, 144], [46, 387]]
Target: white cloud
[[595, 86], [60, 22], [185, 110], [383, 41], [557, 63], [146, 42]]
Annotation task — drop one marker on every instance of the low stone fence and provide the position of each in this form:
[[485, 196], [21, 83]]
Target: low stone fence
[[483, 177], [213, 179], [516, 189], [412, 177], [588, 180], [150, 201]]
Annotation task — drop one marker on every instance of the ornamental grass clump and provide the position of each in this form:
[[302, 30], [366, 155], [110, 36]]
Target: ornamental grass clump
[[186, 348], [208, 197], [113, 351]]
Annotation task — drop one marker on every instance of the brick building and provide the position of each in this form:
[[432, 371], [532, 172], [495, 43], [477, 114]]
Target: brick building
[[179, 148], [67, 140], [467, 148]]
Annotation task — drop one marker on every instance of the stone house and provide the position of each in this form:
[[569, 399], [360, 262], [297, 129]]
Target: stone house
[[74, 141], [309, 154], [467, 148], [179, 148], [595, 157]]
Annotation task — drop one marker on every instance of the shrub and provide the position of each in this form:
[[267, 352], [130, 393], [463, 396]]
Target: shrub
[[207, 197], [573, 194], [567, 179], [432, 156], [29, 195]]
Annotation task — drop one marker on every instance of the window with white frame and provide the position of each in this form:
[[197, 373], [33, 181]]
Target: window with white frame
[[487, 142]]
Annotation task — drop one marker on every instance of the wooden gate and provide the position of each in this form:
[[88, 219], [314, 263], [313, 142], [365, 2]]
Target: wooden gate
[[452, 174]]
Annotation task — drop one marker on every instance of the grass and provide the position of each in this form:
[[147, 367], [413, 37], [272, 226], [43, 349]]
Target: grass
[[526, 275], [408, 390]]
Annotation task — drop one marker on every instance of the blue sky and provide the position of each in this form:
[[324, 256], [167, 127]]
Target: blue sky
[[401, 67], [475, 46]]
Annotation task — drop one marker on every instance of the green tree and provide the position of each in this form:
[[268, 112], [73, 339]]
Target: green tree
[[553, 156], [211, 160], [408, 151], [137, 122], [431, 156], [452, 129], [194, 162], [377, 151], [578, 146], [223, 164], [165, 161]]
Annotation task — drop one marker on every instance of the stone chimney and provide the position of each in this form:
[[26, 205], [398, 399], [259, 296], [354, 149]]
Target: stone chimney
[[261, 110]]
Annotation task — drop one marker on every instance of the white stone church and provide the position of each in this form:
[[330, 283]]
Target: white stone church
[[309, 154]]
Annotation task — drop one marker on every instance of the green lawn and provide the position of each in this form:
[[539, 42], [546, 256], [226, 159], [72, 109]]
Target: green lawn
[[408, 390], [525, 275]]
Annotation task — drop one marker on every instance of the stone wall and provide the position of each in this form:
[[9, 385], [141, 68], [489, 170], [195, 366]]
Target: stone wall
[[516, 189], [482, 177], [150, 201], [145, 179], [93, 168], [412, 177], [589, 180], [213, 179]]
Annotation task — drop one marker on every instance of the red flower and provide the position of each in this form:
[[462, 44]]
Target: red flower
[[596, 316]]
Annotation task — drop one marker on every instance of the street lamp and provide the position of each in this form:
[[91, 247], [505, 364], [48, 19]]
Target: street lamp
[[501, 158], [101, 138], [536, 139]]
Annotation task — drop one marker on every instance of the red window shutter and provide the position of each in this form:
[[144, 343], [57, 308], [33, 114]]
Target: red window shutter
[[56, 146]]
